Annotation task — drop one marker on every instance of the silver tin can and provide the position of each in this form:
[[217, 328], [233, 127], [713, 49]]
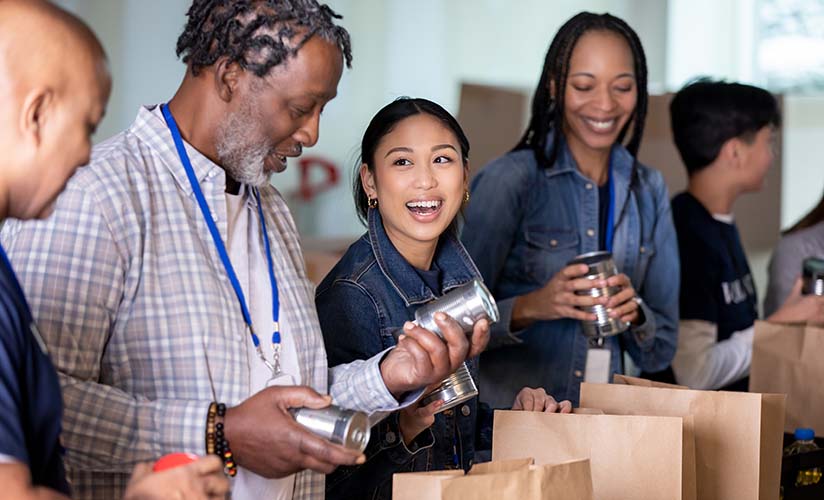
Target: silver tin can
[[812, 275], [601, 266], [467, 304], [344, 427]]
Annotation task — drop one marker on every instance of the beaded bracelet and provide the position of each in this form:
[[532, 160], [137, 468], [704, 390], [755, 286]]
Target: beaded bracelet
[[216, 442]]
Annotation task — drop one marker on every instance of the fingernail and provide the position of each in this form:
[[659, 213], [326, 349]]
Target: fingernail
[[361, 460], [401, 337], [440, 316], [408, 325]]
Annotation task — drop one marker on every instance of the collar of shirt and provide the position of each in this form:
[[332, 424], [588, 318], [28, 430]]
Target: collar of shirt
[[450, 256], [622, 166], [150, 127]]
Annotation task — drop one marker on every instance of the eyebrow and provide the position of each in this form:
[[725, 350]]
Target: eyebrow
[[404, 149], [583, 73]]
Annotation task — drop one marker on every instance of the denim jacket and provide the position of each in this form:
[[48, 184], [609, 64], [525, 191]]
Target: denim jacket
[[525, 223], [369, 294]]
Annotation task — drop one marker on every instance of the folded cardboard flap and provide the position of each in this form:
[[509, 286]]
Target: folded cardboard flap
[[642, 382], [501, 466], [737, 435], [638, 457], [518, 478]]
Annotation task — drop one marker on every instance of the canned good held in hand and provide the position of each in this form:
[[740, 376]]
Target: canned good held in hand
[[467, 305], [348, 428], [601, 267]]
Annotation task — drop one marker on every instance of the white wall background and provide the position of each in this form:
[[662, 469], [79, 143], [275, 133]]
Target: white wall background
[[429, 47]]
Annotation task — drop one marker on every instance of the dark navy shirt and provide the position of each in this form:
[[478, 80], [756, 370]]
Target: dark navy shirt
[[716, 283], [603, 213], [30, 402]]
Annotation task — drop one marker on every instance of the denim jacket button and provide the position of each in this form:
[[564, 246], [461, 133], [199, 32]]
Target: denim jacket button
[[589, 185], [590, 232], [448, 413], [553, 243], [642, 249], [465, 411], [390, 437], [579, 373]]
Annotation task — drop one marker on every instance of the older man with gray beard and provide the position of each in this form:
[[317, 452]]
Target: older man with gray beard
[[169, 285]]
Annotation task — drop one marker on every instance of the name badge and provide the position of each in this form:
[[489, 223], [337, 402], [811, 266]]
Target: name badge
[[598, 365]]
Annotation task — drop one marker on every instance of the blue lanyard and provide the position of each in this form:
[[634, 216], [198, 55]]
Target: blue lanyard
[[224, 256], [610, 229]]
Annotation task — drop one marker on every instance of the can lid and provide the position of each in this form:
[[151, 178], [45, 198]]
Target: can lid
[[357, 433], [804, 434], [813, 267], [489, 305], [591, 258]]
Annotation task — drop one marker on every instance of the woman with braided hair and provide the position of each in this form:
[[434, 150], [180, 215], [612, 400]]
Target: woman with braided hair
[[573, 185]]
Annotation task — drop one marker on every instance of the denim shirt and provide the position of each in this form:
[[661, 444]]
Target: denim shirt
[[367, 296], [525, 223]]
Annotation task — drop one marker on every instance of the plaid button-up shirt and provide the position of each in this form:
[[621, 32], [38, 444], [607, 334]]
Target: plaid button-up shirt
[[139, 316]]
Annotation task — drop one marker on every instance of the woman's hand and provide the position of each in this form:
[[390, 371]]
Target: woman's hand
[[623, 305], [529, 399], [416, 418], [200, 480], [557, 299], [799, 308]]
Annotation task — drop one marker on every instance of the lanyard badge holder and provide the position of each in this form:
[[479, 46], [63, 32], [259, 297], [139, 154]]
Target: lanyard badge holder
[[274, 364], [345, 427], [601, 266]]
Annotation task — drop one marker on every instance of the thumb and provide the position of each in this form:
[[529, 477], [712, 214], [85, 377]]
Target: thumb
[[141, 470], [207, 465], [302, 396]]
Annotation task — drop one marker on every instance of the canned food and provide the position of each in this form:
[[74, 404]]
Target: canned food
[[812, 274], [467, 304], [601, 267], [344, 427]]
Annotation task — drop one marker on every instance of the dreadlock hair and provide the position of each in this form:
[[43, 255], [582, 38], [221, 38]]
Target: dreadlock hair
[[548, 111], [256, 34]]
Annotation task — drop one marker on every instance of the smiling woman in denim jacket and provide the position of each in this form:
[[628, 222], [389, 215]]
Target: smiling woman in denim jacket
[[548, 200], [409, 190]]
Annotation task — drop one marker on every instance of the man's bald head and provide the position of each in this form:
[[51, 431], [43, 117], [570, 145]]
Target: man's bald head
[[54, 85]]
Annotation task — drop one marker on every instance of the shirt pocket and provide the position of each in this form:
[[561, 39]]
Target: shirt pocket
[[548, 251]]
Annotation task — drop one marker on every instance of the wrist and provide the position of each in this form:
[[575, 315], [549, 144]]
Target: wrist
[[408, 430], [217, 438], [394, 388], [523, 313]]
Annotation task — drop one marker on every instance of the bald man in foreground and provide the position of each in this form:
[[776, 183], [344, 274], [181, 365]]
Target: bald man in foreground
[[54, 85]]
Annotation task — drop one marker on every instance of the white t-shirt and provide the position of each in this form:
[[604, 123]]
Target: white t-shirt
[[247, 253]]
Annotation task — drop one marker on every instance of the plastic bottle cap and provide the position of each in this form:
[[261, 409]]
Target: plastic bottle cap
[[802, 434], [173, 460]]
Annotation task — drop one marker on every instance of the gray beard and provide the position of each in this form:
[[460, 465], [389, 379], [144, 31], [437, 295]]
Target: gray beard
[[242, 159]]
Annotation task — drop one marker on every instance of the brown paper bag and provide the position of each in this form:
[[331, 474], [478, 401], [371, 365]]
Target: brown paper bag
[[517, 479], [738, 436], [787, 359], [642, 382], [639, 458]]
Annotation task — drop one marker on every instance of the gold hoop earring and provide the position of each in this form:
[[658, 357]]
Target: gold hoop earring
[[466, 196], [373, 203]]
